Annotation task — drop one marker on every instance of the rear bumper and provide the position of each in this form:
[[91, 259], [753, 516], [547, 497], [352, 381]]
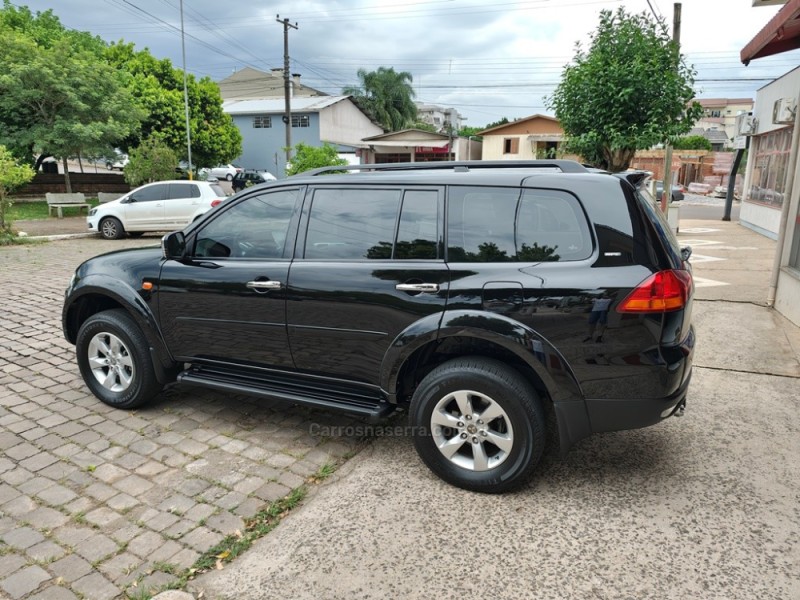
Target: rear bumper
[[617, 415]]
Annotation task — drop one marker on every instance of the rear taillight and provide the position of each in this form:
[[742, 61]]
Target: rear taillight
[[661, 292], [216, 202]]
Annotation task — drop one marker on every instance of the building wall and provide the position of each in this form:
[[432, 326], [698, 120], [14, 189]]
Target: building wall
[[757, 214], [493, 147], [263, 148], [494, 142], [343, 123]]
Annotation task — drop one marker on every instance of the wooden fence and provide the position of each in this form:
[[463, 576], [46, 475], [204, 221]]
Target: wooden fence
[[90, 184]]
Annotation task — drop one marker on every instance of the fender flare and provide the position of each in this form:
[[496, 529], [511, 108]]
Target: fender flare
[[530, 346], [527, 344], [123, 294]]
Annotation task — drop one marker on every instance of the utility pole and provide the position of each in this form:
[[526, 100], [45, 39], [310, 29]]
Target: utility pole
[[667, 188], [186, 100], [287, 116]]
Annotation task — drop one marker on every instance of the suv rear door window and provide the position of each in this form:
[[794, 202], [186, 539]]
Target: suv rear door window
[[501, 225], [418, 230], [352, 223]]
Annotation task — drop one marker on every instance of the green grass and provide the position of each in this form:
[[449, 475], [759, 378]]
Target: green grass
[[255, 527], [26, 211]]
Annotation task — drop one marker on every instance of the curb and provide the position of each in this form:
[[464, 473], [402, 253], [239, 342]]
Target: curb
[[60, 236]]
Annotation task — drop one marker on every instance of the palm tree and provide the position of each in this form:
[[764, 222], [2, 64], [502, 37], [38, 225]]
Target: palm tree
[[387, 96]]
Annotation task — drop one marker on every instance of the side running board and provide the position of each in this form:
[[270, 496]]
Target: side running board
[[274, 386]]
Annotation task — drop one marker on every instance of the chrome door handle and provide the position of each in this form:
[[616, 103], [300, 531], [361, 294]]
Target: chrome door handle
[[264, 285], [417, 287]]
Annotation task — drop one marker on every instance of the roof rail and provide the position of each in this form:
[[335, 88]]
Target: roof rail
[[565, 166]]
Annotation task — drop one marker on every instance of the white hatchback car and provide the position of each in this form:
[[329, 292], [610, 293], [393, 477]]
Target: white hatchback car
[[160, 206], [225, 172]]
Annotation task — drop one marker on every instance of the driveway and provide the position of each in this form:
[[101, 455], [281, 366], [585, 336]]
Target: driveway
[[702, 507], [93, 499]]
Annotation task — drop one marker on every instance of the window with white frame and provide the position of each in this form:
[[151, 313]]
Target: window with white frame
[[262, 122], [300, 121]]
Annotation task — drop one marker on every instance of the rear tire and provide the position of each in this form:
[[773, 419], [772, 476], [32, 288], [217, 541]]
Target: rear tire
[[111, 228], [478, 424], [229, 177], [114, 360]]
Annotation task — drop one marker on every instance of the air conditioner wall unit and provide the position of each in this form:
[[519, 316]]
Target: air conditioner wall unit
[[748, 125], [784, 111]]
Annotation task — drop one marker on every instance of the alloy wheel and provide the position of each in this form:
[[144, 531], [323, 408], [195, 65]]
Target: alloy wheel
[[111, 362], [472, 430]]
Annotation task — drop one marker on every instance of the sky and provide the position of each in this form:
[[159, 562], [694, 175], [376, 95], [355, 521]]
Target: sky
[[488, 60]]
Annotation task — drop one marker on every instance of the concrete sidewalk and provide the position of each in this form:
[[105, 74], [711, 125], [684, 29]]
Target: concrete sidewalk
[[699, 507]]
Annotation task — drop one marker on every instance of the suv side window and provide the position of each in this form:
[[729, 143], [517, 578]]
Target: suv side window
[[183, 190], [418, 230], [481, 224], [551, 226], [352, 223], [256, 227], [152, 193], [502, 224]]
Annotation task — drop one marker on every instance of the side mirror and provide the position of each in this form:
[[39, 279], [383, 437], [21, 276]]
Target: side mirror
[[686, 253], [173, 245]]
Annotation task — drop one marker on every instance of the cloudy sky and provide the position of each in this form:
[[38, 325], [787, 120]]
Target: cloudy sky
[[488, 59]]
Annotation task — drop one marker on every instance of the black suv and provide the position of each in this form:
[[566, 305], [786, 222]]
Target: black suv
[[250, 178], [489, 300]]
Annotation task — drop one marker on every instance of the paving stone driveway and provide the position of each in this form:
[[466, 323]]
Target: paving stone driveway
[[92, 498]]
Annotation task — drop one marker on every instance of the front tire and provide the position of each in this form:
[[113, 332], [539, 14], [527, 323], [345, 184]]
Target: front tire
[[114, 360], [478, 424], [111, 228]]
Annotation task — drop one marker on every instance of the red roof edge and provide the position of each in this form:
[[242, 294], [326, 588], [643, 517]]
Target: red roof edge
[[781, 34]]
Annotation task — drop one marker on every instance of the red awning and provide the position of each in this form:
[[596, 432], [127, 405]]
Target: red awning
[[781, 34]]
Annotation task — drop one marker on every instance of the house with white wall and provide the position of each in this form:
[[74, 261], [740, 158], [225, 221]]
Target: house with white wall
[[777, 110], [537, 136]]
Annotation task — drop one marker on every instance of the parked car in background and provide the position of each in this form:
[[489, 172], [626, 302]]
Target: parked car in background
[[119, 163], [503, 306], [677, 191], [249, 178], [160, 206], [225, 172]]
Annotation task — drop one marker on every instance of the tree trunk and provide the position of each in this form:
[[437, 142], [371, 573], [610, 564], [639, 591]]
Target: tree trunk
[[618, 160], [67, 182]]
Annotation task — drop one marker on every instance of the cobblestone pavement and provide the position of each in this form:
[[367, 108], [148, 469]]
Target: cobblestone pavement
[[93, 499]]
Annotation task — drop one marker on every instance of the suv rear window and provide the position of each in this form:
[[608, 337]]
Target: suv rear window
[[504, 224]]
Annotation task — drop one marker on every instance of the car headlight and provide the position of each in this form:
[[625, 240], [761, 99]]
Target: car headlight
[[93, 212]]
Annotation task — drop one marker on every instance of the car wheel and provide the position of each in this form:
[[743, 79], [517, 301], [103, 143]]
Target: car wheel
[[478, 424], [229, 177], [111, 228], [114, 360], [136, 234]]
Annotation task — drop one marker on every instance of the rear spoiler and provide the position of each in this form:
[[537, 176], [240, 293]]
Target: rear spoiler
[[635, 178]]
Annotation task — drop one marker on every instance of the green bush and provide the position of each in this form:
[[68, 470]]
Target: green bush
[[12, 176]]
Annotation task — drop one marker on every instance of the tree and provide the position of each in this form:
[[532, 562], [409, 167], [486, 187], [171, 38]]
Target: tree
[[57, 95], [472, 132], [630, 91], [12, 176], [305, 158], [157, 87], [152, 161], [387, 96], [691, 142], [423, 126], [503, 121]]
